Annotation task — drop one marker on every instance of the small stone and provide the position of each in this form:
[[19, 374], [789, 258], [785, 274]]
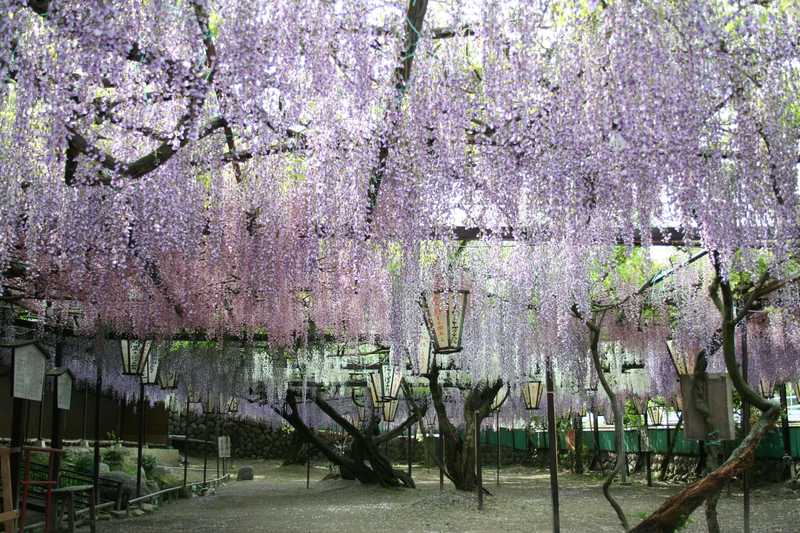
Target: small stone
[[103, 517], [119, 513], [137, 512], [147, 507], [245, 474]]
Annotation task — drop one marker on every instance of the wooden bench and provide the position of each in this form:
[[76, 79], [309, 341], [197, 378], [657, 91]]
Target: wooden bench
[[9, 515], [67, 497]]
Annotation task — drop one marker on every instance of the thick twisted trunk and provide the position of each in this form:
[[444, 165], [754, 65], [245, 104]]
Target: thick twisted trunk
[[363, 460], [674, 512], [460, 451]]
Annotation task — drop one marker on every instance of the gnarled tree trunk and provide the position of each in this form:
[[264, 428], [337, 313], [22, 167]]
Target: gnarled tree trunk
[[363, 460], [460, 452]]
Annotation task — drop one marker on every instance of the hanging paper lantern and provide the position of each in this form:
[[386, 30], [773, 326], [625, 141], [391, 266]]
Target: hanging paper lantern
[[150, 374], [135, 355], [631, 361], [767, 387], [233, 405], [426, 355], [384, 384], [390, 410], [656, 414], [167, 379], [443, 312], [193, 395], [211, 404], [532, 394]]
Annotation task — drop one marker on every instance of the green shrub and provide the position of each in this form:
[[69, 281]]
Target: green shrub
[[83, 462], [115, 457], [149, 462]]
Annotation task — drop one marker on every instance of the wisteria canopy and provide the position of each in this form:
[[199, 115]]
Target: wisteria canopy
[[244, 172]]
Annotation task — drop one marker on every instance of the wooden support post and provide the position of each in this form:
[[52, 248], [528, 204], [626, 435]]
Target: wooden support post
[[552, 446]]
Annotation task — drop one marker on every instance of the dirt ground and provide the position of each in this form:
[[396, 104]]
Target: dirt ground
[[278, 501]]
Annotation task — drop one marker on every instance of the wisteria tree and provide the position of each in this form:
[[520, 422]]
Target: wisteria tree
[[213, 169]]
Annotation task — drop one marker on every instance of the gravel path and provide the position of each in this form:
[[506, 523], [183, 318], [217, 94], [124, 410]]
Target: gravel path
[[277, 501]]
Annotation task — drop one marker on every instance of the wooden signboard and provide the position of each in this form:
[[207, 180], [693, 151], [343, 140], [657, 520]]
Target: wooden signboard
[[64, 390], [29, 370], [718, 423], [224, 446]]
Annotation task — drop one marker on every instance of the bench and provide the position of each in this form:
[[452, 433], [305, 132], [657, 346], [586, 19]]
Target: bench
[[67, 496]]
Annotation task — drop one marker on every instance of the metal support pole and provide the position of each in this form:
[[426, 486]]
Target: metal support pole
[[85, 421], [552, 446], [647, 454], [442, 463], [140, 442], [408, 450], [787, 441], [308, 468], [478, 468], [98, 391], [497, 431], [205, 450], [55, 427], [745, 430], [186, 443], [577, 423]]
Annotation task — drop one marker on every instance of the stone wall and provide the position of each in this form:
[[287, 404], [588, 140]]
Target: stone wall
[[249, 439]]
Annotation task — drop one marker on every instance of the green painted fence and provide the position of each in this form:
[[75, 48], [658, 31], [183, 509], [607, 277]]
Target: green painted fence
[[770, 447]]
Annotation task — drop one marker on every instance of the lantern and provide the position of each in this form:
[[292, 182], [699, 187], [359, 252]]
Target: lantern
[[767, 387], [64, 381], [656, 414], [640, 403], [211, 404], [193, 396], [171, 404], [167, 379], [150, 374], [443, 312], [426, 356], [30, 367], [532, 394], [390, 410], [499, 399], [134, 356], [631, 361], [233, 405], [384, 385]]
